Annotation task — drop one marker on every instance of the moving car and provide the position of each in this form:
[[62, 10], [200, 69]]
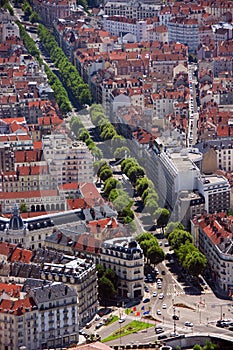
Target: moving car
[[159, 330], [164, 306], [146, 300], [161, 296], [154, 294], [159, 312], [188, 324], [121, 320]]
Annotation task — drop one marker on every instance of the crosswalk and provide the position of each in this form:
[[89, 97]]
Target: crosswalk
[[175, 293]]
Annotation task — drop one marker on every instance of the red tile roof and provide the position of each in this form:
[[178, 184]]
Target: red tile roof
[[12, 289], [17, 307]]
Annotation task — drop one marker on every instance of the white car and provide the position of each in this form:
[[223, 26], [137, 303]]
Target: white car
[[188, 324], [154, 294], [159, 312], [121, 320], [164, 306], [161, 296]]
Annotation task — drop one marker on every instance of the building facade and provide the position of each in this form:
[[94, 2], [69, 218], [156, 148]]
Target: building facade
[[213, 236], [124, 256], [45, 316], [184, 31]]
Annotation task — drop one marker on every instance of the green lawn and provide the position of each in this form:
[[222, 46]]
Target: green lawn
[[112, 320], [132, 327]]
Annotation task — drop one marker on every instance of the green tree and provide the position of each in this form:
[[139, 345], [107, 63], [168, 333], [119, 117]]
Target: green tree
[[135, 172], [117, 141], [122, 202], [121, 152], [162, 217], [142, 184], [105, 174], [103, 166], [97, 153], [171, 226], [210, 346], [35, 17], [195, 263], [97, 165], [23, 207], [127, 163], [110, 184], [106, 288], [197, 347], [100, 270], [155, 254], [151, 206], [178, 237], [145, 236]]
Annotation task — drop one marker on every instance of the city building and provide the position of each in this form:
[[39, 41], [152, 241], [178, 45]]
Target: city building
[[68, 161], [117, 25], [184, 30], [213, 236], [51, 10], [135, 9], [46, 266], [216, 191], [46, 315], [124, 256]]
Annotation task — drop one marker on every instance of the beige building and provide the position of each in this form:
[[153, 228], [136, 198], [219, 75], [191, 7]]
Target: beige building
[[124, 256], [45, 316], [68, 161], [36, 201]]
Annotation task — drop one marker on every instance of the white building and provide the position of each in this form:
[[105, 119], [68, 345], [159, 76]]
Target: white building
[[184, 30], [118, 25], [9, 30], [134, 9], [68, 161], [125, 257], [216, 191]]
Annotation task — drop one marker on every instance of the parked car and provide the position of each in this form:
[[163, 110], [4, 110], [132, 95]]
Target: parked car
[[154, 294], [99, 325], [162, 336], [188, 324], [175, 317]]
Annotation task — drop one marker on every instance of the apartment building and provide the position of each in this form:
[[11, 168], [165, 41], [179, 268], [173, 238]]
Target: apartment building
[[213, 236], [9, 30], [124, 256], [6, 158], [184, 30], [135, 9], [45, 316], [118, 25], [35, 201], [159, 33], [216, 191], [67, 161], [51, 10], [43, 266]]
